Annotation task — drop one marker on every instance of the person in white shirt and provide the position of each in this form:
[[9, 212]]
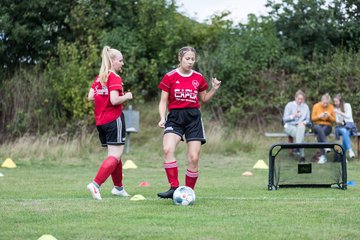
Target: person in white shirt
[[296, 116], [345, 126]]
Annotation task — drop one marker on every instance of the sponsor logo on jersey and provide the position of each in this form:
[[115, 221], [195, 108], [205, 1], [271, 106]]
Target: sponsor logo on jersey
[[102, 91], [195, 83], [188, 95], [177, 82]]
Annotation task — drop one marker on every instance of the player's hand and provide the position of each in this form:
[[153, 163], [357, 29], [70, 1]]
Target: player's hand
[[215, 83], [128, 95], [162, 123]]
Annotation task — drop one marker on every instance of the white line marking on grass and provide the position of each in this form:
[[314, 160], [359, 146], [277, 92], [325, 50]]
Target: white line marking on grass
[[205, 198]]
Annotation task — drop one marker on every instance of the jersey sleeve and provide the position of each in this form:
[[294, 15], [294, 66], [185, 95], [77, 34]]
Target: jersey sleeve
[[93, 85], [165, 84], [203, 85], [114, 83]]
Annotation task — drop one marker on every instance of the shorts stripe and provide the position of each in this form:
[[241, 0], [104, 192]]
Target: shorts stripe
[[203, 129], [119, 129]]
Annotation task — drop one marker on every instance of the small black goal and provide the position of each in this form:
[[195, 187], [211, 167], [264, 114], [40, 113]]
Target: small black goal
[[298, 165]]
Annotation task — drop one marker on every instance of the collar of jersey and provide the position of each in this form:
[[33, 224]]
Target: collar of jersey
[[114, 73], [184, 75]]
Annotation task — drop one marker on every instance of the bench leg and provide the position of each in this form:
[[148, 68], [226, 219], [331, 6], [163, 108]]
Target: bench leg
[[358, 146], [290, 140]]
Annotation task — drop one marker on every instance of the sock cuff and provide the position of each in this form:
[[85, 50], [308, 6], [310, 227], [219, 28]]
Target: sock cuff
[[96, 184], [170, 164], [191, 173], [114, 158]]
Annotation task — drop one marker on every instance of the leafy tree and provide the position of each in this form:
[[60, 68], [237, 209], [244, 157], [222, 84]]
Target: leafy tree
[[305, 26]]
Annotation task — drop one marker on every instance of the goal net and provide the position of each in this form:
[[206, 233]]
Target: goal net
[[298, 165]]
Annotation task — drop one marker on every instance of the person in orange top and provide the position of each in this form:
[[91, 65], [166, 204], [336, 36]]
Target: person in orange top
[[323, 118]]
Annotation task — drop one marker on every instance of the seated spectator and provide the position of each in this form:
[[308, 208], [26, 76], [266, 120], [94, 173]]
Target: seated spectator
[[345, 126], [323, 118], [296, 117]]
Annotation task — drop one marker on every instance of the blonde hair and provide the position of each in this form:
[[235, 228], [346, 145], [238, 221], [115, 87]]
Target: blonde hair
[[108, 54]]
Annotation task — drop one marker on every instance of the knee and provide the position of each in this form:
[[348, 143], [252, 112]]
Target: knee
[[168, 151], [342, 131], [193, 158], [301, 128]]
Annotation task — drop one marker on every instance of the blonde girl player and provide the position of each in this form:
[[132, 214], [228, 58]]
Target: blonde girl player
[[182, 91], [108, 96]]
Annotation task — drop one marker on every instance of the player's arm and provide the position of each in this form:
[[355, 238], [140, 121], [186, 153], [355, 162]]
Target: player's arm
[[206, 96], [116, 99], [91, 94], [162, 108]]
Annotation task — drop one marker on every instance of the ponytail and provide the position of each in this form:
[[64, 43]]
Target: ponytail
[[107, 56]]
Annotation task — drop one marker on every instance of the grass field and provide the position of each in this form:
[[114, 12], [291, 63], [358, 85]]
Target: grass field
[[50, 198], [46, 194]]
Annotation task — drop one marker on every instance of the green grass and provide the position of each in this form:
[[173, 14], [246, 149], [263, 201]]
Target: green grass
[[39, 198], [46, 193]]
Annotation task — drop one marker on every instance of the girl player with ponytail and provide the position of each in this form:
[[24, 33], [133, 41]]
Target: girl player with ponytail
[[108, 96], [181, 92]]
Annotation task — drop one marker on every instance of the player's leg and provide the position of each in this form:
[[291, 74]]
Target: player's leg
[[170, 141], [195, 137], [93, 187], [109, 133], [116, 148], [173, 133], [192, 172]]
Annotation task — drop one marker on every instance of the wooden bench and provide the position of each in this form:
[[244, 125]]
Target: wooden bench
[[291, 140]]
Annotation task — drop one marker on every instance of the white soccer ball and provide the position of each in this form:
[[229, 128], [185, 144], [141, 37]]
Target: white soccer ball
[[184, 196]]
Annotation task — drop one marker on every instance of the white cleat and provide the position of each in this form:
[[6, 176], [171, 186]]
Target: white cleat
[[94, 190], [121, 193], [322, 159]]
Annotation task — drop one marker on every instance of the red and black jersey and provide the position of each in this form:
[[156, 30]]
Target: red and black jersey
[[183, 89], [105, 112]]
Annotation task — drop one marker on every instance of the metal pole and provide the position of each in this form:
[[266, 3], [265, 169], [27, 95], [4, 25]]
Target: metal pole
[[127, 143]]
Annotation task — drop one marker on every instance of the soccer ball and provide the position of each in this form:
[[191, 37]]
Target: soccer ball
[[184, 196]]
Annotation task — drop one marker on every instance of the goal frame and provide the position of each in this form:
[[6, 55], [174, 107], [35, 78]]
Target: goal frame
[[289, 147]]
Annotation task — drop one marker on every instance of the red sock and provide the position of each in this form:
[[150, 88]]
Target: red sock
[[117, 175], [106, 168], [190, 178], [171, 169]]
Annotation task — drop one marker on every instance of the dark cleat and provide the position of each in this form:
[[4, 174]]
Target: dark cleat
[[302, 160], [168, 194]]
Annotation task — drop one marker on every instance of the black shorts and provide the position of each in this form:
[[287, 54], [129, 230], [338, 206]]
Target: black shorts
[[186, 122], [113, 133]]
